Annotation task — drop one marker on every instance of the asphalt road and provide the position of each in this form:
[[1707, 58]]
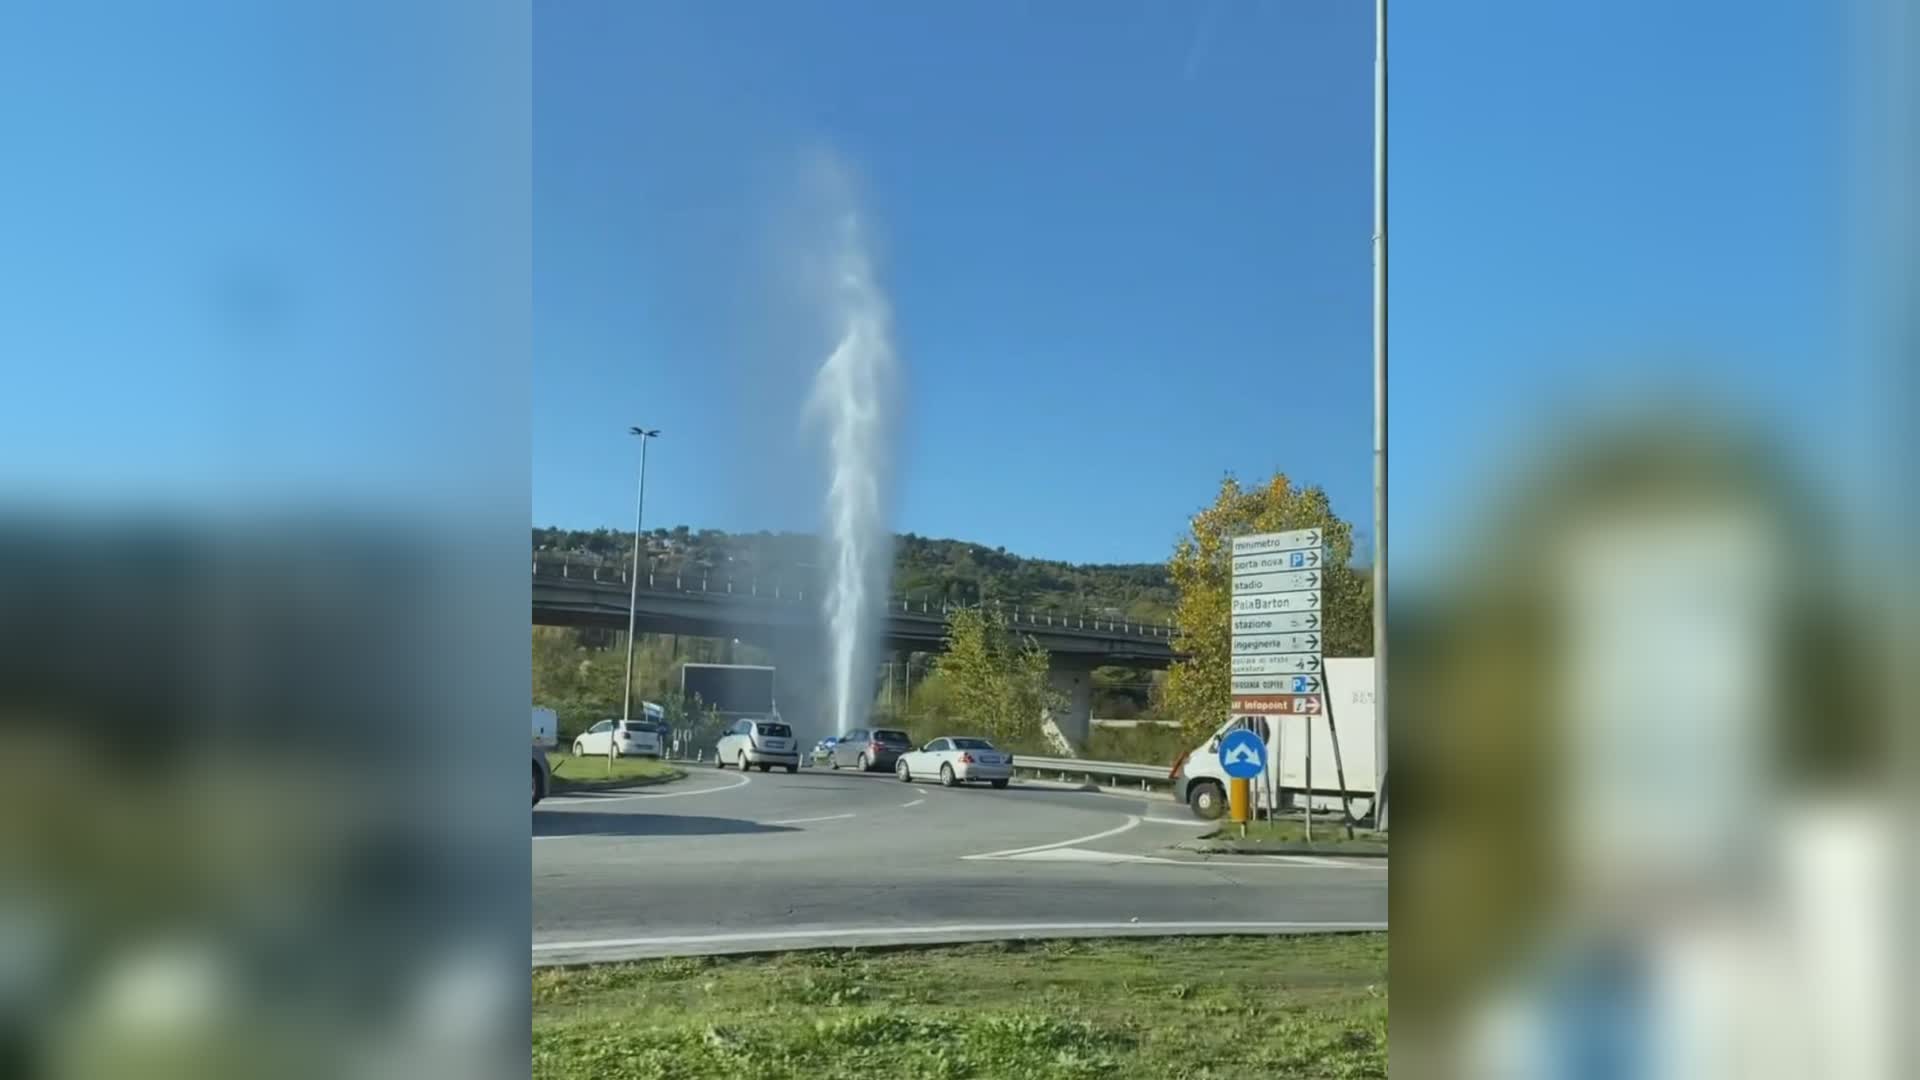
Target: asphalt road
[[722, 862]]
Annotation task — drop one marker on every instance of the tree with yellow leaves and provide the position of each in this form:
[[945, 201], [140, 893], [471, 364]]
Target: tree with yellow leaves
[[997, 679], [1198, 689]]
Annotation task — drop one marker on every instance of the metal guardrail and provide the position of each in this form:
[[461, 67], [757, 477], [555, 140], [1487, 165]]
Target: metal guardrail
[[1114, 771], [782, 592]]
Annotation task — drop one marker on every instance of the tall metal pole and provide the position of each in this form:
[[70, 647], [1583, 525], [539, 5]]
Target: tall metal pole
[[1379, 409], [633, 583]]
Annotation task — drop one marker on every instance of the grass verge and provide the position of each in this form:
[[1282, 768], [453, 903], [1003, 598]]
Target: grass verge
[[1191, 1008], [1289, 836], [574, 774]]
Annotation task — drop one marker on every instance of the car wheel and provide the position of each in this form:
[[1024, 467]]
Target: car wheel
[[1207, 801], [864, 764], [999, 783], [578, 751], [947, 778], [833, 761], [536, 785], [791, 769], [743, 761], [900, 770]]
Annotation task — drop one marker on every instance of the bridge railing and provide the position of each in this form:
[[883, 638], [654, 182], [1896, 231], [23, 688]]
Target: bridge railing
[[1035, 618]]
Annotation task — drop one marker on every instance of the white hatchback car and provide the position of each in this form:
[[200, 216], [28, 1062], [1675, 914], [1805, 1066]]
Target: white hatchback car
[[956, 760], [629, 738], [765, 743]]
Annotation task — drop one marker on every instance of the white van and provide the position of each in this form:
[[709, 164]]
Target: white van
[[546, 728], [1200, 782]]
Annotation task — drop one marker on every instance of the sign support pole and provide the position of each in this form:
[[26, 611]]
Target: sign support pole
[[1279, 763], [1309, 814]]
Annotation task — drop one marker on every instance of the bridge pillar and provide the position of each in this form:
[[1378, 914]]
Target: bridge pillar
[[1075, 682]]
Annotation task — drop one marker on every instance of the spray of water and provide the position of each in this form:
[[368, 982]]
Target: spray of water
[[851, 403]]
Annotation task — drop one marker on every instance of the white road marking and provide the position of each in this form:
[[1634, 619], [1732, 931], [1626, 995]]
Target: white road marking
[[1133, 820], [1079, 855], [981, 930], [922, 791], [807, 820], [576, 800], [915, 802], [1174, 821], [1264, 862]]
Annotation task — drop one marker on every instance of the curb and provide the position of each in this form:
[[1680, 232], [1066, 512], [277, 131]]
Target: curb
[[561, 786], [1217, 847], [834, 939]]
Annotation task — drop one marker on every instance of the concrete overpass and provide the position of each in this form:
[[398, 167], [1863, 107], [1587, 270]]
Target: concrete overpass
[[786, 620]]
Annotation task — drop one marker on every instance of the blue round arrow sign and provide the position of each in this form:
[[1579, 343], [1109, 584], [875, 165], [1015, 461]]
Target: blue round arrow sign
[[1242, 755]]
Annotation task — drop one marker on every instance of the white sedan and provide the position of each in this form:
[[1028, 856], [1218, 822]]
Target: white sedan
[[630, 738], [956, 760]]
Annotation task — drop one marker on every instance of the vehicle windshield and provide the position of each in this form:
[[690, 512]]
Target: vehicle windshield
[[775, 731], [972, 744], [638, 725]]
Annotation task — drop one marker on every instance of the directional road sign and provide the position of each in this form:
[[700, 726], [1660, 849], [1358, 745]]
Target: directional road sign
[[1268, 663], [1276, 562], [1262, 543], [1276, 624], [1278, 587], [1285, 581], [1254, 705], [1275, 603], [1265, 684], [1245, 644], [1242, 755], [1291, 664]]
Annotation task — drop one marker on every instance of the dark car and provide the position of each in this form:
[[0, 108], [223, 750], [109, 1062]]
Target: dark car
[[869, 748]]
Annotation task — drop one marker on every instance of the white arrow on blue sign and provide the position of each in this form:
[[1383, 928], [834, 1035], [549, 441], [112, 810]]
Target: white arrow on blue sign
[[1242, 755]]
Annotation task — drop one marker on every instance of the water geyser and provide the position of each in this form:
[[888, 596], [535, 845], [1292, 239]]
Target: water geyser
[[851, 402]]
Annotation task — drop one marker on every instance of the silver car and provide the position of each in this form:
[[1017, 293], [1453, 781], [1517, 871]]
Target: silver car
[[868, 749], [765, 743]]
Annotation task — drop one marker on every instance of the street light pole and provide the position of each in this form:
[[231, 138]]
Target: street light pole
[[633, 583], [1379, 412]]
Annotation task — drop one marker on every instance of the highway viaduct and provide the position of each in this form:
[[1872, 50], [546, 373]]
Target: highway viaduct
[[786, 621]]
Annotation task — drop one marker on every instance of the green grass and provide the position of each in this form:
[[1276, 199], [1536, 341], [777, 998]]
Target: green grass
[[1313, 1006], [572, 773], [1290, 833]]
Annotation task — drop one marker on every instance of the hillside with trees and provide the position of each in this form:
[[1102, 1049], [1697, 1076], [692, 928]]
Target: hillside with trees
[[952, 570]]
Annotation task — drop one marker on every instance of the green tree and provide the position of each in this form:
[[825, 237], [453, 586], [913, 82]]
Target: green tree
[[1198, 689], [995, 680]]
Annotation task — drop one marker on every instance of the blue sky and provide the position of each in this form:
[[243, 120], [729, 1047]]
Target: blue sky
[[1127, 246], [1127, 249]]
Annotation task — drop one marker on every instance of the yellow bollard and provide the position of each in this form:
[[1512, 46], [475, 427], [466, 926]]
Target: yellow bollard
[[1239, 804]]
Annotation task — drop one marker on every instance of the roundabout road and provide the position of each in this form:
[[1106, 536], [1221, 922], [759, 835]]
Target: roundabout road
[[724, 862]]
